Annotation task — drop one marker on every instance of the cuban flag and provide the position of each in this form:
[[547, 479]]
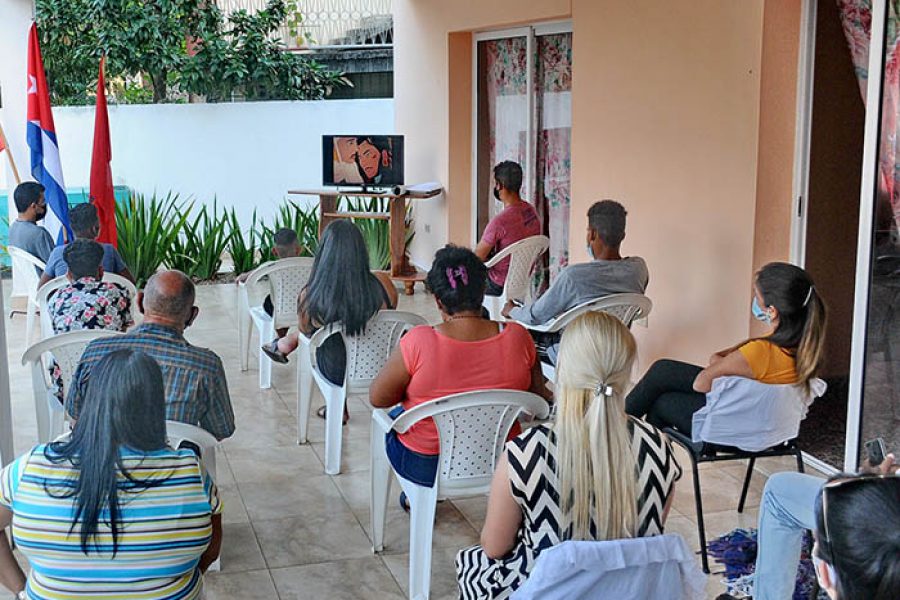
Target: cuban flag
[[41, 135]]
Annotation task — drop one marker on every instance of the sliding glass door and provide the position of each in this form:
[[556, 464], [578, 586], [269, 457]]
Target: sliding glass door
[[524, 113]]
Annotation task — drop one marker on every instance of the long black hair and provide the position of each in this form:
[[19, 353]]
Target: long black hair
[[125, 406], [801, 314], [861, 540], [457, 278], [341, 287]]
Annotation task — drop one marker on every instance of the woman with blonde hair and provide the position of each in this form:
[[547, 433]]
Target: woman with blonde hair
[[596, 474]]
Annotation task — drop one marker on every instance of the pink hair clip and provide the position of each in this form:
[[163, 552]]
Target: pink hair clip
[[460, 272]]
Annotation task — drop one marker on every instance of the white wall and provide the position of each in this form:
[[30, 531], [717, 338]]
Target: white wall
[[246, 155], [15, 19]]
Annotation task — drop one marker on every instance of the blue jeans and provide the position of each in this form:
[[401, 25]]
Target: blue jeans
[[787, 509], [419, 468]]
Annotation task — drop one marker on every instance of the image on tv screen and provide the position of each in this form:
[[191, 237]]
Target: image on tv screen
[[370, 160]]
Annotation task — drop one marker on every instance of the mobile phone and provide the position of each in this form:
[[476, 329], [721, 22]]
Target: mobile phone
[[875, 451]]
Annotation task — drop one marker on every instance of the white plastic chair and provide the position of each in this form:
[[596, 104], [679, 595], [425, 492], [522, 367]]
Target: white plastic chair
[[24, 264], [45, 291], [286, 278], [472, 428], [626, 307], [66, 349], [366, 354], [661, 566], [522, 256], [176, 433]]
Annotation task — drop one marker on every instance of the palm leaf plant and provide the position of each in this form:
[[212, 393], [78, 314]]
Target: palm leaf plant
[[304, 221], [244, 248], [198, 250], [146, 230]]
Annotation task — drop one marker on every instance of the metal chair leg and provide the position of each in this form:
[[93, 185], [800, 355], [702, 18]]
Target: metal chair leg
[[799, 455], [746, 483], [701, 528]]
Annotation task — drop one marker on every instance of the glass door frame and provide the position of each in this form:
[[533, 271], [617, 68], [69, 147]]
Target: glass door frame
[[867, 197], [529, 32]]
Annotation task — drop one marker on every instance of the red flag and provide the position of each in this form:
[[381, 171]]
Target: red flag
[[101, 174]]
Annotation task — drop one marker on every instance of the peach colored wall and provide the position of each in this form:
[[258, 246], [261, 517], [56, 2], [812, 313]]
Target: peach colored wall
[[436, 116], [777, 128], [666, 101], [665, 119]]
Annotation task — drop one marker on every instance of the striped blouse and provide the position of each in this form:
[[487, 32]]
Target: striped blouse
[[163, 529]]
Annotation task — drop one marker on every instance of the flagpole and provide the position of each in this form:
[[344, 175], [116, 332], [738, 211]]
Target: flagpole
[[4, 143]]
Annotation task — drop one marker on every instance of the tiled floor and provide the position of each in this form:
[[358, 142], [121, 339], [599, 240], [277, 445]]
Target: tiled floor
[[293, 532]]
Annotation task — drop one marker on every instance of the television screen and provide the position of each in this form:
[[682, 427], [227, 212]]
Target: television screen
[[369, 160]]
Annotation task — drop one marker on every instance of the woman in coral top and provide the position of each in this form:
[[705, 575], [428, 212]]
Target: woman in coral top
[[465, 352], [785, 298]]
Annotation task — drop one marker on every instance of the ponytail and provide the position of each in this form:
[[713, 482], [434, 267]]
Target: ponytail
[[594, 455], [812, 340]]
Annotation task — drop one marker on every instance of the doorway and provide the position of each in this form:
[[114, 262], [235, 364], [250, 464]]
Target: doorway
[[523, 113]]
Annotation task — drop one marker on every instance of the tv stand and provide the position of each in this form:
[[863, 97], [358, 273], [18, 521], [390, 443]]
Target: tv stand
[[401, 270]]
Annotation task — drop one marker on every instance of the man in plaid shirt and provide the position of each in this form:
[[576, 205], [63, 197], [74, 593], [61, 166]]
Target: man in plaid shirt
[[196, 389]]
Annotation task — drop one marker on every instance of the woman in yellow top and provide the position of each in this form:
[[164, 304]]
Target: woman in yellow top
[[785, 298]]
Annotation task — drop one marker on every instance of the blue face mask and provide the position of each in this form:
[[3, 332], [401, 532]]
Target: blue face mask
[[758, 313], [590, 252]]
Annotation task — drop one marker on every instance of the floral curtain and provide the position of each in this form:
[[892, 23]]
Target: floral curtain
[[856, 20], [553, 103], [506, 83]]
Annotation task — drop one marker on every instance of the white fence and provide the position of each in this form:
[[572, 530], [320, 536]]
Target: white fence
[[245, 155]]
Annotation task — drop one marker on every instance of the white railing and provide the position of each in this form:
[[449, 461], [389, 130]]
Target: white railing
[[331, 22]]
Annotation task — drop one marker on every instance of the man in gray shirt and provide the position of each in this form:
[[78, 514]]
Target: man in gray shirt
[[24, 232], [608, 272]]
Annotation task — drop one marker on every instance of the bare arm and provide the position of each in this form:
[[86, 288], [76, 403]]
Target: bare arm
[[504, 517], [11, 575], [304, 324], [215, 544], [389, 387], [732, 364], [483, 250], [538, 383], [44, 279], [385, 280], [126, 274]]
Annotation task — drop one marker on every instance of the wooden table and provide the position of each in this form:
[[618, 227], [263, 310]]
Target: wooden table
[[401, 269]]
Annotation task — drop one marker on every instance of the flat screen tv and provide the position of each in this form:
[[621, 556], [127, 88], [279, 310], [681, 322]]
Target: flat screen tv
[[362, 160]]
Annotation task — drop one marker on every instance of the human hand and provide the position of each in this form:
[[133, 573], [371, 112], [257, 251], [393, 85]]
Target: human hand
[[242, 277], [507, 308], [887, 466]]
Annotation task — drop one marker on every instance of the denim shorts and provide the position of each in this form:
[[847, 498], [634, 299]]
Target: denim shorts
[[419, 468]]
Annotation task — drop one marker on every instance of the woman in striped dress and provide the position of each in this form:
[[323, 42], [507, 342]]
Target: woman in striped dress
[[111, 512], [614, 474]]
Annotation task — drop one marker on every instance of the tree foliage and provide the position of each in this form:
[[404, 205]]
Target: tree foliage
[[172, 48]]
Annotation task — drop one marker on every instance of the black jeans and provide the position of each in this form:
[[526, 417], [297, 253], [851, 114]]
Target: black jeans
[[493, 289], [666, 395]]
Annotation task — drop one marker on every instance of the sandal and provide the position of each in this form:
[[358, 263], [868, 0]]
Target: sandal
[[322, 412], [404, 502], [271, 350]]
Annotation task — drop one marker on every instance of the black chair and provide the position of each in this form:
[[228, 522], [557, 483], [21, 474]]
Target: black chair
[[701, 452]]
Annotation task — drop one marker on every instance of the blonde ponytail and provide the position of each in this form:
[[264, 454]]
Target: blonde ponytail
[[596, 466], [812, 341]]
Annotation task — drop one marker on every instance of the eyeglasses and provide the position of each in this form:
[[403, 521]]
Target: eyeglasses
[[844, 483]]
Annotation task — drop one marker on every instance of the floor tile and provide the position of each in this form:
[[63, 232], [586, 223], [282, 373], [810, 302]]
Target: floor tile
[[306, 540], [231, 586], [281, 497], [443, 572], [362, 579], [240, 550], [264, 463]]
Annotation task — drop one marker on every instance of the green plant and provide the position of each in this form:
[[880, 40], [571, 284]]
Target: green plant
[[377, 232], [147, 230], [173, 48], [304, 221], [244, 250], [204, 238]]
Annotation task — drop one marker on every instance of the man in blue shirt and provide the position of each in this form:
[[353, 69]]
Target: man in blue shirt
[[86, 226]]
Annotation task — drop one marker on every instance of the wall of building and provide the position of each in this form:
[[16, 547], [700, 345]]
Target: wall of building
[[666, 103], [15, 19], [245, 155]]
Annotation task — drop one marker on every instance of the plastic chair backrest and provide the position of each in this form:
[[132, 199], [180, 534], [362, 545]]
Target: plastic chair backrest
[[367, 352], [45, 291], [66, 349], [661, 566], [24, 264], [177, 432], [287, 277], [472, 427], [625, 307], [523, 255]]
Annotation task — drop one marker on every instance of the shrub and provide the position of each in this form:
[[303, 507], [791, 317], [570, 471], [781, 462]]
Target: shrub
[[147, 231], [304, 221], [244, 250], [198, 250]]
